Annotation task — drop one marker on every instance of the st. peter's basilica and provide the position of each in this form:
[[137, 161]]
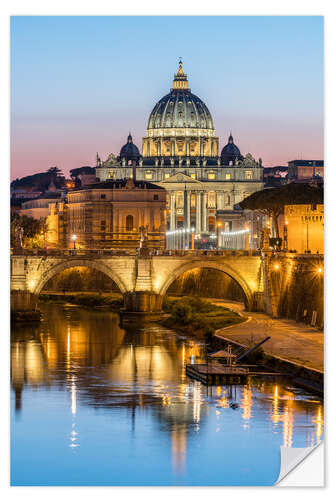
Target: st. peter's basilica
[[180, 153]]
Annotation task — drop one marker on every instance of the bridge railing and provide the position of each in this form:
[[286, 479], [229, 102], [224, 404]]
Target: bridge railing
[[101, 252], [57, 252]]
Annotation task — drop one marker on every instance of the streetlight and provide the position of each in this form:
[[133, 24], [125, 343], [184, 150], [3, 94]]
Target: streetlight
[[74, 238]]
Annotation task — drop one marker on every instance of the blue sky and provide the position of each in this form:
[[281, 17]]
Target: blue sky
[[79, 84]]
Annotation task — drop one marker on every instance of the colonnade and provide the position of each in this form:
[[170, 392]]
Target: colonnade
[[201, 209]]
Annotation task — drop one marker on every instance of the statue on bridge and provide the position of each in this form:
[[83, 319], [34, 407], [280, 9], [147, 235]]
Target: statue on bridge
[[143, 249]]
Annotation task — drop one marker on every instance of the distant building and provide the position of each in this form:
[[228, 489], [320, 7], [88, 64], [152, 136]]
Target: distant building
[[116, 214], [305, 227], [305, 170], [39, 208], [275, 176]]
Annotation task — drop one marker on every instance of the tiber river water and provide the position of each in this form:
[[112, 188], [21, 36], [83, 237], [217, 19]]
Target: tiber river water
[[93, 404]]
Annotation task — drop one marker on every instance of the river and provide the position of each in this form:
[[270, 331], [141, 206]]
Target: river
[[94, 404]]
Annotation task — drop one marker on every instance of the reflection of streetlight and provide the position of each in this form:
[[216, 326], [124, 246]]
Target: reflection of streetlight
[[74, 237], [276, 266]]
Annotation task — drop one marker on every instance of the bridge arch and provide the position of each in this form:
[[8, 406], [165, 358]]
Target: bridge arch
[[218, 266], [69, 263]]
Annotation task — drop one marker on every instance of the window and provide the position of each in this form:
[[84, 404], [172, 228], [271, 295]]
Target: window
[[148, 175], [103, 196], [166, 176], [193, 176], [129, 223], [211, 224], [155, 197], [228, 199], [103, 225], [248, 174], [227, 177], [211, 176]]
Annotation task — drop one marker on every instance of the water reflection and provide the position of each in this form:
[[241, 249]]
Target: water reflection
[[138, 377]]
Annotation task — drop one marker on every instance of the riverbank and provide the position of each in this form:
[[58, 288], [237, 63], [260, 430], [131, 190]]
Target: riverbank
[[105, 300], [294, 348], [197, 317]]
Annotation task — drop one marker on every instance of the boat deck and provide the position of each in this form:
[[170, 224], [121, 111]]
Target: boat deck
[[216, 374]]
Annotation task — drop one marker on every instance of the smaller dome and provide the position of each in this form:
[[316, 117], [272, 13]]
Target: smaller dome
[[129, 151], [230, 153]]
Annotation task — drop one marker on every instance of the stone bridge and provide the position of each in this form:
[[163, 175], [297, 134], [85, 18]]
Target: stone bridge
[[143, 281]]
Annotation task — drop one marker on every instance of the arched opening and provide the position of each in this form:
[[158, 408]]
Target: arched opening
[[207, 282], [80, 279], [80, 285]]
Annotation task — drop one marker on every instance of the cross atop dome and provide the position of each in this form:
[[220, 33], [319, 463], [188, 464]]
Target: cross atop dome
[[180, 79]]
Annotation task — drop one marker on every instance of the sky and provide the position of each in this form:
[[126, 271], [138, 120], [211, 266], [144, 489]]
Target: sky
[[80, 84]]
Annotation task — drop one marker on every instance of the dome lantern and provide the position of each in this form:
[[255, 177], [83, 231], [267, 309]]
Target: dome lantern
[[180, 79]]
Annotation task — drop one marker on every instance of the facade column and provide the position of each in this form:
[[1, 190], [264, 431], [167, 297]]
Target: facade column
[[198, 212], [204, 211], [172, 211], [219, 200]]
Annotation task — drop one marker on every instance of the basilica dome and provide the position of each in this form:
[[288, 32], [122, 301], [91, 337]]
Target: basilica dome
[[180, 108], [129, 151], [230, 153]]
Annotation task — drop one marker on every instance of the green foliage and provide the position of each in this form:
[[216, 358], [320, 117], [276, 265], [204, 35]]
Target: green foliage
[[272, 201], [31, 229], [197, 316], [40, 181], [112, 302]]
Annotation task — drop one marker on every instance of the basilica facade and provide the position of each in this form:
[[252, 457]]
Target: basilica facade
[[180, 153]]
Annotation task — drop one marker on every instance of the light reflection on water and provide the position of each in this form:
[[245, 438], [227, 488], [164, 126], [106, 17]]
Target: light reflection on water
[[94, 404]]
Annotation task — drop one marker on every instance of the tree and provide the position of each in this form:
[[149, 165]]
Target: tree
[[272, 201], [55, 171], [26, 231]]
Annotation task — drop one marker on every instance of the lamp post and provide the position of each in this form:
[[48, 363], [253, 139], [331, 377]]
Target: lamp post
[[74, 237]]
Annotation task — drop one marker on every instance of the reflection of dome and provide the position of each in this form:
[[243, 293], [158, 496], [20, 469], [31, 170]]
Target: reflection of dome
[[129, 151], [230, 152], [180, 108]]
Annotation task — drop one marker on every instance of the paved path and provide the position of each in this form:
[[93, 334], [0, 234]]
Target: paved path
[[296, 342]]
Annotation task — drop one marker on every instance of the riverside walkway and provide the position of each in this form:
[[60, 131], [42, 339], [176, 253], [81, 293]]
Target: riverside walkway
[[295, 342]]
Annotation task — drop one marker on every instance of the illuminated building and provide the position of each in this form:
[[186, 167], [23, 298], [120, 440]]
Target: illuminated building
[[180, 153], [116, 214], [305, 227]]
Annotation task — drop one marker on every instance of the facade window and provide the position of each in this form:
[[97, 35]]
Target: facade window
[[129, 223], [193, 176], [155, 197], [103, 225], [103, 196], [211, 224], [228, 200], [148, 175], [211, 176], [227, 177], [248, 174], [166, 176]]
